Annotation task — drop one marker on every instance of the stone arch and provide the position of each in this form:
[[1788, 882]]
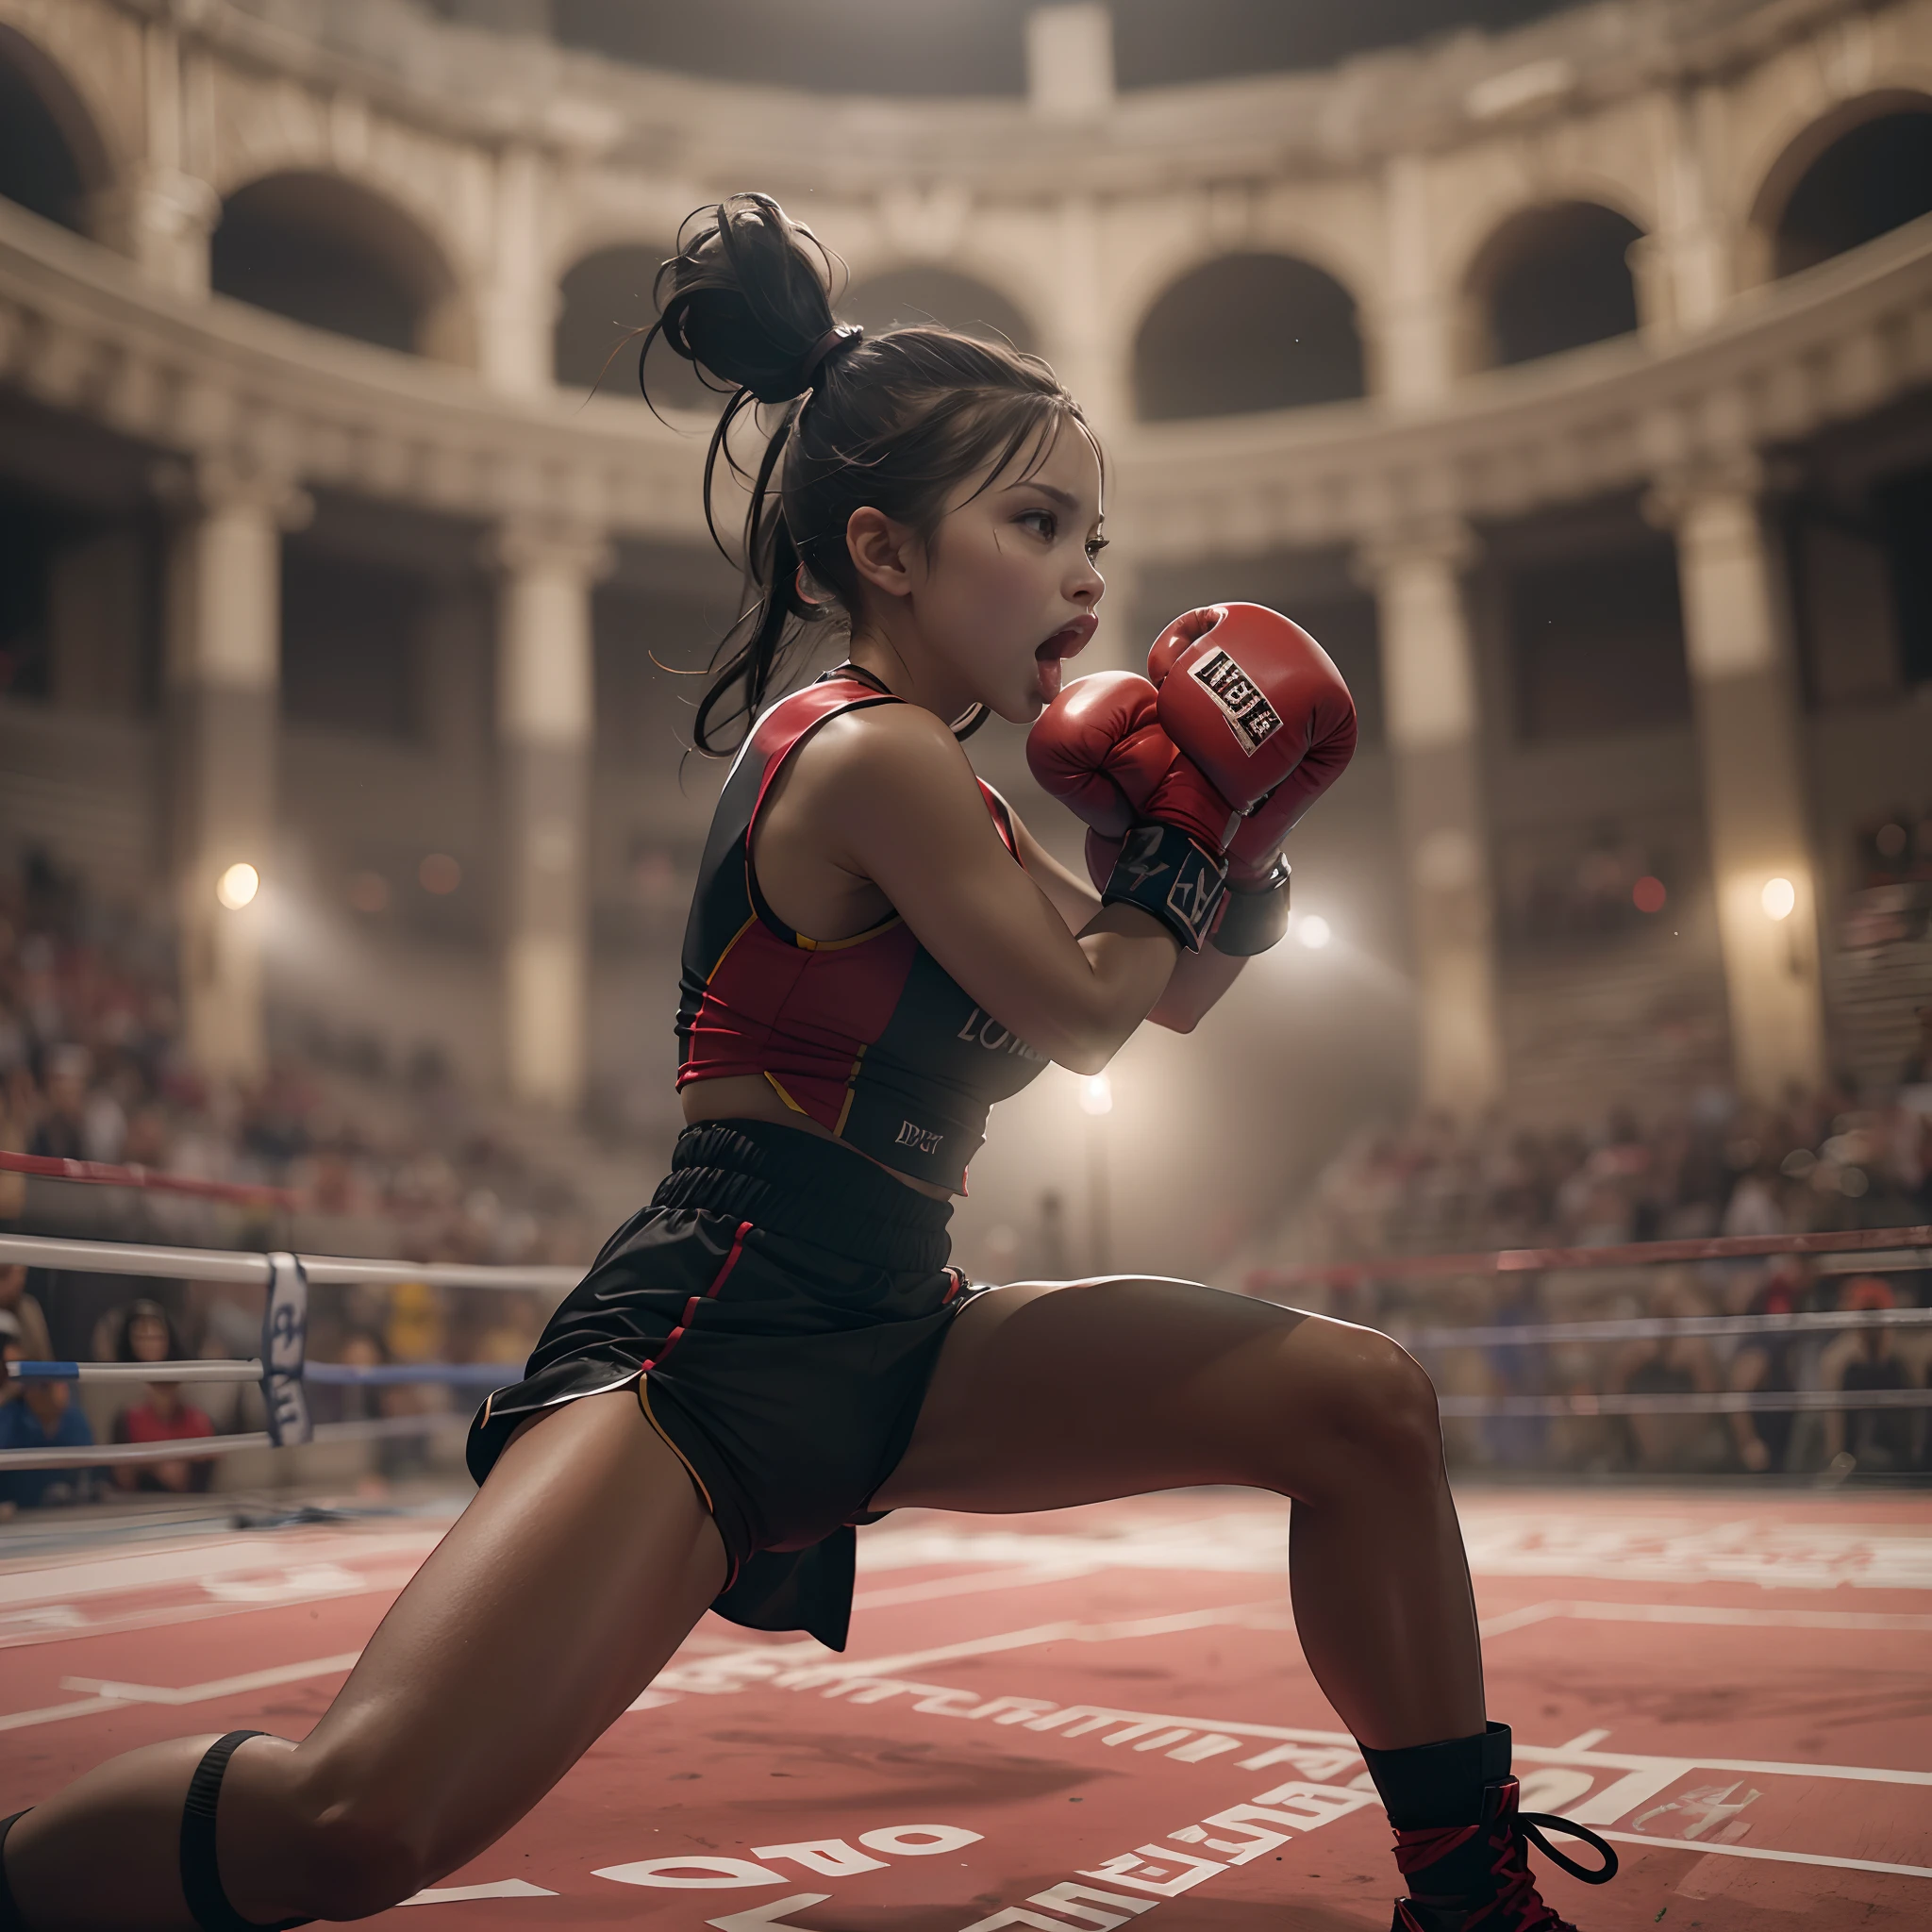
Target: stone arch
[[52, 158], [1848, 178], [1246, 332], [602, 299], [929, 292], [1549, 278], [328, 251]]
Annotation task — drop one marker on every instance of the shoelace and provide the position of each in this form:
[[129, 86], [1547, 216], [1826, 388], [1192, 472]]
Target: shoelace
[[1516, 1893]]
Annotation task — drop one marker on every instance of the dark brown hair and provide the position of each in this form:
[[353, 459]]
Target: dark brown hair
[[894, 422]]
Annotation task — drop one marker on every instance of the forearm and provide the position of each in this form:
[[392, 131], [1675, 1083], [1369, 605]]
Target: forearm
[[1198, 980], [1130, 957]]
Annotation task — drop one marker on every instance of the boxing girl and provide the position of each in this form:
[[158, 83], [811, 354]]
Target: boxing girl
[[776, 1348]]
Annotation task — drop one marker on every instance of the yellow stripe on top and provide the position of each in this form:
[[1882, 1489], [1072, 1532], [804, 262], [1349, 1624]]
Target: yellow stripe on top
[[785, 1096], [728, 944], [857, 939], [850, 1090]]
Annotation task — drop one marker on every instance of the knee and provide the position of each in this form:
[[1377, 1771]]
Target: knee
[[1380, 1408], [361, 1851]]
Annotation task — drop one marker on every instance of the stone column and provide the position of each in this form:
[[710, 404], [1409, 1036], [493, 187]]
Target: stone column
[[224, 672], [161, 213], [518, 311], [544, 697], [1069, 60], [1754, 790], [1089, 341], [1428, 675], [1683, 271], [1411, 338]]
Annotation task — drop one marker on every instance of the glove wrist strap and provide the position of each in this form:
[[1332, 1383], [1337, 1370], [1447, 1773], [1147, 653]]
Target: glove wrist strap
[[1163, 871], [1253, 918]]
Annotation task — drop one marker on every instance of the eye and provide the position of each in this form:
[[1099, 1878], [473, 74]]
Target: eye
[[1042, 523]]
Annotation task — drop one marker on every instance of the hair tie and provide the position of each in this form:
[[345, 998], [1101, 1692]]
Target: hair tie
[[835, 341]]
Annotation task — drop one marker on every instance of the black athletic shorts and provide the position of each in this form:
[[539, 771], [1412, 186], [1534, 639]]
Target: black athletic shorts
[[779, 1307]]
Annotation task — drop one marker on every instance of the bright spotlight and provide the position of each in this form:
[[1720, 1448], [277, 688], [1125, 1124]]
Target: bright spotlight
[[1096, 1095], [238, 886], [1314, 932], [1777, 898]]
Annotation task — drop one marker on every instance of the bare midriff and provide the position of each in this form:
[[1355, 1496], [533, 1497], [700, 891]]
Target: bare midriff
[[749, 1097]]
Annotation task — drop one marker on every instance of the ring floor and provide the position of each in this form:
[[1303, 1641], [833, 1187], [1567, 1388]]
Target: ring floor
[[1733, 1685]]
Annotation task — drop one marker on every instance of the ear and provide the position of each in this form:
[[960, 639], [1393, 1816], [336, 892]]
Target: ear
[[881, 551]]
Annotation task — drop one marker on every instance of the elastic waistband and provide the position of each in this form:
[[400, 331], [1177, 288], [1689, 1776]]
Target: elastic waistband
[[792, 1183]]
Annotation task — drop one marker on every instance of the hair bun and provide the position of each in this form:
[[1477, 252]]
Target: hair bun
[[747, 298]]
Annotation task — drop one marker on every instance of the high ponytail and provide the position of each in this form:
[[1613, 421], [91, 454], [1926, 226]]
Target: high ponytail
[[895, 423]]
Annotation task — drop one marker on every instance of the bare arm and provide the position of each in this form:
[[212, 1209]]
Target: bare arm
[[899, 806], [1198, 981], [1199, 978]]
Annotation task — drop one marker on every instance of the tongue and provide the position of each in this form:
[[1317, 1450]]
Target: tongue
[[1052, 672]]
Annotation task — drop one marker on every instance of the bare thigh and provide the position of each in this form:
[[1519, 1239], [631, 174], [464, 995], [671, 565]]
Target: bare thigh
[[554, 1599], [1051, 1394]]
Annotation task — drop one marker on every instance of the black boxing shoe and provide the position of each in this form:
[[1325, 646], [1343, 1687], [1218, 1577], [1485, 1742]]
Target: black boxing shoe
[[1476, 1877]]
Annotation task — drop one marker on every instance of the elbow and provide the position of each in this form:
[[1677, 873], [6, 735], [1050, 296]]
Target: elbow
[[1082, 1047], [1090, 1056]]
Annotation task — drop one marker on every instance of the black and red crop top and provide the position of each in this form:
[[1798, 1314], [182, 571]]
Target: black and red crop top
[[868, 1036]]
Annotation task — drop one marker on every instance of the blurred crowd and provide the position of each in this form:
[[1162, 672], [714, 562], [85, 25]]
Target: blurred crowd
[[92, 1067], [148, 1320], [1815, 1164]]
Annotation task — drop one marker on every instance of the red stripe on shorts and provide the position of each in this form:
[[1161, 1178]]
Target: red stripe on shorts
[[710, 1294]]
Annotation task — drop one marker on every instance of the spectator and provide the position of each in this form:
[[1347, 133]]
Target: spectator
[[45, 1417], [29, 1322], [147, 1335], [62, 1129], [1765, 1364], [1917, 1071], [1875, 1438], [1670, 1365], [1517, 1441]]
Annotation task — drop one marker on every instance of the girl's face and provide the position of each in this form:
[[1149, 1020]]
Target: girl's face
[[1009, 590], [147, 1339]]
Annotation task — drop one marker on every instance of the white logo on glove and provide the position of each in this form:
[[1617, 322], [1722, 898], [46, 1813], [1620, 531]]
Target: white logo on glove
[[1250, 716]]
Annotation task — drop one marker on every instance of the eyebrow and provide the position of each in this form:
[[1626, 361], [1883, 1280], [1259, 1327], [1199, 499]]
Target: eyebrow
[[1065, 498]]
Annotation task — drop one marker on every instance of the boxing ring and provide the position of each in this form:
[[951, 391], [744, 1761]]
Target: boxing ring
[[1086, 1716]]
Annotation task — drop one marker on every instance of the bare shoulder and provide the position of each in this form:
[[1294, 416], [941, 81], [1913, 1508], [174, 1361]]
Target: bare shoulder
[[883, 753]]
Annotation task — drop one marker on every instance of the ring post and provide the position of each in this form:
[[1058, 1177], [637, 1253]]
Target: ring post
[[284, 1349]]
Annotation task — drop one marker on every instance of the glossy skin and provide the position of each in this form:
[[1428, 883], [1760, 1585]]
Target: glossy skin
[[586, 1559], [879, 812]]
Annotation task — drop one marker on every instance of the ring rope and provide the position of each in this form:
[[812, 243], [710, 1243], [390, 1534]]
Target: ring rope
[[204, 1448], [483, 1376], [106, 1173], [1717, 1247], [283, 1371], [254, 1270]]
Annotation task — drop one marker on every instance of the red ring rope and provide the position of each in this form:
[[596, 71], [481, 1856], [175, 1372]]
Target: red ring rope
[[104, 1173]]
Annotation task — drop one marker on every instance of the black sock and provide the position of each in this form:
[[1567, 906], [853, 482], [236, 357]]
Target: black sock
[[11, 1920], [1430, 1785]]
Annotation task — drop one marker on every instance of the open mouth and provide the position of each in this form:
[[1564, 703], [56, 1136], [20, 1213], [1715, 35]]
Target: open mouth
[[1068, 641]]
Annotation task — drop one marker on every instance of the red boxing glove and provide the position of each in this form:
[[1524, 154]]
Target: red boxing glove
[[1253, 701], [1099, 747]]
